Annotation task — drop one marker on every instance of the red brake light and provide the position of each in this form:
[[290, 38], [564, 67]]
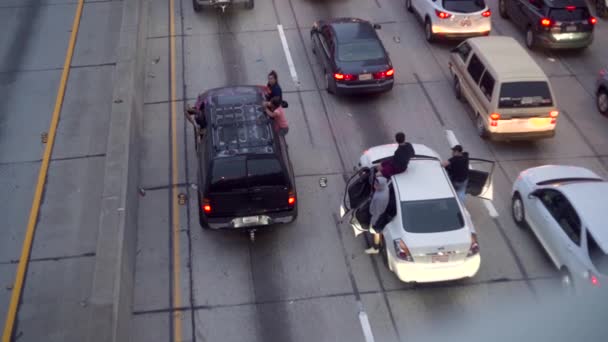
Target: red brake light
[[291, 200], [383, 74], [594, 280], [390, 72], [486, 13], [592, 20], [206, 205], [553, 113], [442, 15], [402, 251], [495, 116], [339, 76], [474, 249], [545, 22], [345, 77], [570, 8]]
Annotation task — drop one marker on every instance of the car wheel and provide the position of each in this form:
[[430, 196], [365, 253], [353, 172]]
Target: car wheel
[[565, 280], [502, 9], [600, 6], [481, 128], [530, 38], [457, 89], [328, 84], [602, 101], [428, 31], [517, 211], [384, 253], [408, 6], [250, 4], [196, 6]]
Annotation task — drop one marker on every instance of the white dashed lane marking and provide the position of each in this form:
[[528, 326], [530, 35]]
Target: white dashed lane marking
[[290, 63]]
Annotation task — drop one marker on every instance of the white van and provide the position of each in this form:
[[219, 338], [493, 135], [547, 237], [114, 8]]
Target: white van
[[510, 95]]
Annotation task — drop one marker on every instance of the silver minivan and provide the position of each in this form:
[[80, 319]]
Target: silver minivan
[[509, 93]]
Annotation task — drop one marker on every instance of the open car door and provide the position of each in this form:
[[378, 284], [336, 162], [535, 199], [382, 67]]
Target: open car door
[[356, 196], [480, 178]]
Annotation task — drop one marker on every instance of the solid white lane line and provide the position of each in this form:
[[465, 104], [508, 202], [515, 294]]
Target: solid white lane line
[[490, 207], [292, 67], [451, 138]]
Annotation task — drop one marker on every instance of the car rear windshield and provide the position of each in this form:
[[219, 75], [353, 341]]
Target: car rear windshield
[[599, 257], [236, 99], [239, 173], [431, 216], [360, 50], [524, 95], [562, 14], [464, 6]]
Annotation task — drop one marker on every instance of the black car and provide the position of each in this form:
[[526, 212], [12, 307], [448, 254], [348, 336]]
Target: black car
[[352, 56], [554, 24], [245, 177]]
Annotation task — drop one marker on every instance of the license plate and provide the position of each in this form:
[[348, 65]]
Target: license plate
[[538, 122], [365, 77], [440, 258], [571, 28], [466, 22], [251, 219]]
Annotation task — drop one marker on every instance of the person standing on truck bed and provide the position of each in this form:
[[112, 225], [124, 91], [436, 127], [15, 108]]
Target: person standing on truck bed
[[277, 114], [274, 89]]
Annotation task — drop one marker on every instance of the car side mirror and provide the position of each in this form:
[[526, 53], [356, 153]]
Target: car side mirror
[[377, 26]]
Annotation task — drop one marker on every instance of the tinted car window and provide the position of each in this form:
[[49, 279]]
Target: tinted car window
[[464, 6], [360, 50], [464, 50], [225, 100], [524, 95], [265, 172], [562, 14], [431, 216], [475, 68], [487, 85], [228, 174], [599, 258]]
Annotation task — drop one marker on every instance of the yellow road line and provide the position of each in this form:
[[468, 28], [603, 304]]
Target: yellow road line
[[34, 211], [177, 298]]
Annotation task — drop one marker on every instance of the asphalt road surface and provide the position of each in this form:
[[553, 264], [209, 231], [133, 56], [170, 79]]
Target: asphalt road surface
[[306, 281]]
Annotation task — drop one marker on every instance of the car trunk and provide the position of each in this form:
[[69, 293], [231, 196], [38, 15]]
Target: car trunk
[[451, 246], [366, 72]]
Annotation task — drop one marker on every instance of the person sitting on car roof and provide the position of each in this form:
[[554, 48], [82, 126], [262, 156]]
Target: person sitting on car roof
[[400, 160]]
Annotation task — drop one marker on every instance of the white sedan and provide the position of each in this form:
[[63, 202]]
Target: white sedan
[[429, 235], [566, 208]]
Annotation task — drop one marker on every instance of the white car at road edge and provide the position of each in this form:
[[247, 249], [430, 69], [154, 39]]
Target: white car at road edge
[[429, 235]]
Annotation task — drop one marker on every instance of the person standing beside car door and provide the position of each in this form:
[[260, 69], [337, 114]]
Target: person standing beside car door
[[377, 207], [277, 113], [458, 171]]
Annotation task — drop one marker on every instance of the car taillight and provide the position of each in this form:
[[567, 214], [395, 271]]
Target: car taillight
[[545, 22], [344, 77], [474, 249], [494, 117], [442, 15], [402, 251], [291, 200], [593, 279], [384, 74], [206, 206], [486, 13], [592, 20], [553, 113]]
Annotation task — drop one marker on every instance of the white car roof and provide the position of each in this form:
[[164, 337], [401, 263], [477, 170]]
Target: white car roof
[[589, 200], [424, 179]]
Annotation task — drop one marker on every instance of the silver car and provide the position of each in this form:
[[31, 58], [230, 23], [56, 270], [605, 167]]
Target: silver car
[[566, 208], [602, 91]]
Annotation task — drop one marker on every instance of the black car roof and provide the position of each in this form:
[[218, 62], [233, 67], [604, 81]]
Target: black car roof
[[564, 3], [350, 29], [237, 123]]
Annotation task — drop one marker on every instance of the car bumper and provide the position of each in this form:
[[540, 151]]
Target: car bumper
[[461, 35], [411, 272], [236, 223], [550, 42], [364, 88], [495, 136]]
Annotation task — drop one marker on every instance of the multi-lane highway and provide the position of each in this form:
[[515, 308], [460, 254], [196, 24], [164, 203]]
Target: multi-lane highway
[[306, 281]]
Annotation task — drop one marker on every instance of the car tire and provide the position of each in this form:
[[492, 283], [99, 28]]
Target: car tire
[[428, 31], [565, 279], [250, 4], [481, 128], [408, 6], [457, 89], [502, 9], [517, 211], [329, 84], [196, 6], [530, 38], [600, 6], [602, 101]]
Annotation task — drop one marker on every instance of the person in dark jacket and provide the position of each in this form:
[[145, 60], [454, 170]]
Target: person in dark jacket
[[377, 207], [400, 160], [458, 170], [273, 89]]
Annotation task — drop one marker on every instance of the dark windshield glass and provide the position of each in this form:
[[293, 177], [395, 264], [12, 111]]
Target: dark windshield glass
[[265, 172], [599, 258], [225, 100], [360, 50], [524, 95], [228, 174], [431, 216], [464, 6], [562, 14]]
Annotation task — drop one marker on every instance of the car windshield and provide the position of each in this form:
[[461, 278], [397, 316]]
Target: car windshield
[[599, 257], [525, 95], [464, 6], [238, 173], [360, 50], [562, 14], [431, 216]]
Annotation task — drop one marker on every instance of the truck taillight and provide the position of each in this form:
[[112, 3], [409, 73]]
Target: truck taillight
[[291, 200], [402, 251], [206, 206]]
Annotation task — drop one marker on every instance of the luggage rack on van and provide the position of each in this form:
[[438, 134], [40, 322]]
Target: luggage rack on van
[[241, 129]]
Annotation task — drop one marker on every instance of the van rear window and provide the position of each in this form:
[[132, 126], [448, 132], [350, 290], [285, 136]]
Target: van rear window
[[464, 6], [239, 173], [562, 14], [524, 95]]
